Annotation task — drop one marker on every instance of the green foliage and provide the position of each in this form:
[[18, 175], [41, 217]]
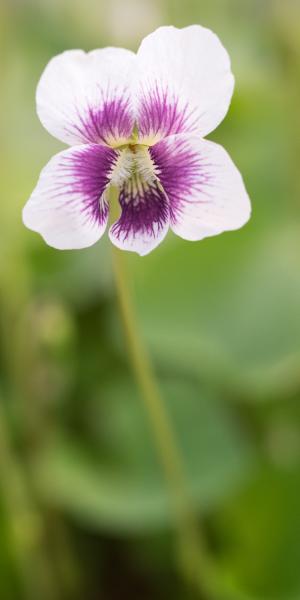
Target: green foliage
[[128, 491], [84, 508]]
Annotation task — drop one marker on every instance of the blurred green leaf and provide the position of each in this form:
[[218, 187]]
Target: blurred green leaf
[[226, 309], [120, 486], [261, 530]]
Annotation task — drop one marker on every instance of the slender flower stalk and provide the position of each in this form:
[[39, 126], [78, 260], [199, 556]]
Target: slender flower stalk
[[191, 551], [157, 414]]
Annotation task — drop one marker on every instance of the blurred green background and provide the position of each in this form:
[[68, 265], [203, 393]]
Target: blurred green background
[[84, 511]]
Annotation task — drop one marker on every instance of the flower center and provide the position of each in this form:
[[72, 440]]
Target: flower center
[[135, 166]]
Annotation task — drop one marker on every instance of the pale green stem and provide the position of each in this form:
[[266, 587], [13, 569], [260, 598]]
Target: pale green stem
[[191, 553]]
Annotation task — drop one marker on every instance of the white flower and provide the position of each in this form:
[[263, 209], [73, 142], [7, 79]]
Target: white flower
[[137, 122]]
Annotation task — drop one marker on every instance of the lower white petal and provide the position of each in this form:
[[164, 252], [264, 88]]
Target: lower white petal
[[205, 189], [68, 206], [144, 219]]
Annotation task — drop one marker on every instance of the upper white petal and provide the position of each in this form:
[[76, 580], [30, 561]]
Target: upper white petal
[[193, 66], [75, 83]]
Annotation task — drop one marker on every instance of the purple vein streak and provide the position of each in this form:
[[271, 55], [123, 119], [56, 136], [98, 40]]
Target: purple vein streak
[[85, 174], [182, 173]]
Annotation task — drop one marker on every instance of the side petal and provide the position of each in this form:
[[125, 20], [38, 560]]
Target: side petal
[[68, 206], [86, 97], [144, 219], [205, 189], [185, 82]]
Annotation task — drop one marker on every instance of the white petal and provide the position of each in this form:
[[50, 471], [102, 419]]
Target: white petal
[[205, 189], [144, 219], [68, 206], [86, 97], [185, 82], [141, 243]]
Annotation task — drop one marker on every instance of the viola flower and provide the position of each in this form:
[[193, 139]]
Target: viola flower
[[136, 122]]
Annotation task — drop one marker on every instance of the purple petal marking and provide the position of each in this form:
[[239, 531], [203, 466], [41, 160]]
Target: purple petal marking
[[111, 121], [86, 174], [182, 174], [160, 113], [145, 211]]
